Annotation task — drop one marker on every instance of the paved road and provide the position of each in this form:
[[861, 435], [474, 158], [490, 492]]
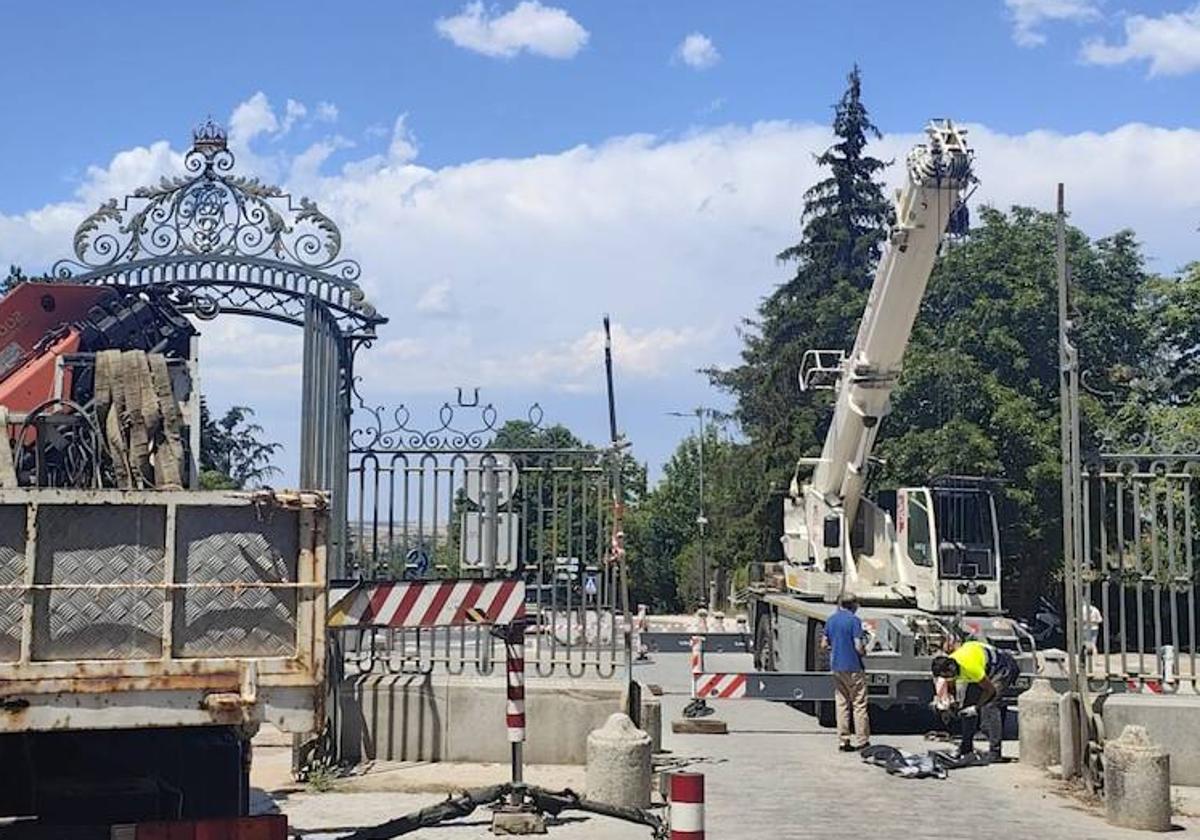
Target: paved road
[[777, 775]]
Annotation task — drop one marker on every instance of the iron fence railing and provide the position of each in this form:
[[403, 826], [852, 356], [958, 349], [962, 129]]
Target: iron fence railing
[[1138, 569], [543, 516]]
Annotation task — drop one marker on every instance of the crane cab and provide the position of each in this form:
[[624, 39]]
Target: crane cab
[[948, 542], [936, 548]]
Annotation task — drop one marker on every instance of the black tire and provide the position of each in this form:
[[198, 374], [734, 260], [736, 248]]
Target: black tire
[[764, 644]]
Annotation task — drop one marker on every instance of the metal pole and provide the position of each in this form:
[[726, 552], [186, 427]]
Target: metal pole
[[632, 698], [701, 520], [491, 516], [1072, 537]]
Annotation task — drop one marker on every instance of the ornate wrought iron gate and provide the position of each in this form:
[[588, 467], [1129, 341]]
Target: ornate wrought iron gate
[[221, 243], [1130, 552], [473, 498]]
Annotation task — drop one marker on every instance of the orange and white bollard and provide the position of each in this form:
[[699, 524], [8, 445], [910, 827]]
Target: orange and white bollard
[[686, 794]]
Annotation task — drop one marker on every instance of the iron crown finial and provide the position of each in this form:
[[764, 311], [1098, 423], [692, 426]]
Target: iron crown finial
[[209, 137]]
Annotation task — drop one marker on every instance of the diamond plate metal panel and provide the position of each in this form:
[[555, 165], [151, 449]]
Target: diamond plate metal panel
[[235, 546], [12, 571], [107, 545]]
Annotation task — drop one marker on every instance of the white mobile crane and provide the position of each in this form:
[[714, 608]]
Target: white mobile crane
[[919, 559], [936, 548]]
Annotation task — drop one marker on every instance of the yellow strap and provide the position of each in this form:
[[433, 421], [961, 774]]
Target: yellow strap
[[168, 454], [110, 406]]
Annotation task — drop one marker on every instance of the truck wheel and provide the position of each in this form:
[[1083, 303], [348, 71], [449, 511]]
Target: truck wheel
[[764, 644], [826, 714]]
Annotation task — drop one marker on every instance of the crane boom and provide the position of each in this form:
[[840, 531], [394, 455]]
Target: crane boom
[[930, 546], [937, 173]]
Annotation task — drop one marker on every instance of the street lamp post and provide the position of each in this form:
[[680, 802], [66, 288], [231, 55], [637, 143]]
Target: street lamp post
[[701, 519]]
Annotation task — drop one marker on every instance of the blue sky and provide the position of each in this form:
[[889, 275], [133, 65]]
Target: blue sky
[[90, 82], [480, 155]]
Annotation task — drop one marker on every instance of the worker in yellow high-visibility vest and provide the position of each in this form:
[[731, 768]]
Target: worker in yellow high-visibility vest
[[987, 673]]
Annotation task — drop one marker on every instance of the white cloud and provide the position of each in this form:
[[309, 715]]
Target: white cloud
[[1170, 43], [327, 112], [675, 236], [1028, 15], [403, 147], [697, 51], [438, 301], [129, 170], [306, 166], [251, 118], [294, 111], [542, 30]]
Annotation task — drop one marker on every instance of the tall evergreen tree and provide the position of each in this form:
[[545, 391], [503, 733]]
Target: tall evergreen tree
[[843, 225]]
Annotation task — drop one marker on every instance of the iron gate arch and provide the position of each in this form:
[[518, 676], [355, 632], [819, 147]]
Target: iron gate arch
[[412, 498], [224, 243]]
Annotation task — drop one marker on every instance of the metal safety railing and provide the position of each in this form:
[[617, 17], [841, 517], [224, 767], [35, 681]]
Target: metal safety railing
[[1138, 617]]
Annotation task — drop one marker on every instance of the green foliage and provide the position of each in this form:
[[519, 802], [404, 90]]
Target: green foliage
[[843, 225], [664, 536], [233, 454], [979, 391]]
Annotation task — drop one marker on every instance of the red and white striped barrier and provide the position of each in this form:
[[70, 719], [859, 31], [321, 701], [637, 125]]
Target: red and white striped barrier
[[720, 686], [686, 794], [428, 603], [514, 665], [1147, 686], [697, 660]]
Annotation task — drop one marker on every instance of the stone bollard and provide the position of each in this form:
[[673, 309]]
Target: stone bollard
[[618, 764], [719, 621], [701, 620], [652, 720], [1137, 782], [1038, 721]]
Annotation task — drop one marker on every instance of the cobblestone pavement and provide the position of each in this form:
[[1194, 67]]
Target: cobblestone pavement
[[777, 775]]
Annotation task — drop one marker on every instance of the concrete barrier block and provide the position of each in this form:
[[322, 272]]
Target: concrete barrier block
[[1172, 720], [652, 720], [390, 718], [1137, 782], [618, 764], [461, 718], [1039, 731]]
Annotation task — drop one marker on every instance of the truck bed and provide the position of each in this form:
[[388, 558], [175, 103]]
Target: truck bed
[[131, 609]]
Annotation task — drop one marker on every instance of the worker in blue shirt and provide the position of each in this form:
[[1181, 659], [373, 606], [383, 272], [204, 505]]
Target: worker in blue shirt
[[844, 639]]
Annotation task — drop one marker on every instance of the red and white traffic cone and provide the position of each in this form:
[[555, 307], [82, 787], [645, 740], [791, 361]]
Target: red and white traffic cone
[[686, 794]]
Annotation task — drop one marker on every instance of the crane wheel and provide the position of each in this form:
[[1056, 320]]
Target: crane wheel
[[764, 644]]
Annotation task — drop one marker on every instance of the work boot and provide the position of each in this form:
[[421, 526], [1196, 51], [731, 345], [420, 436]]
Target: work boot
[[994, 755], [845, 746]]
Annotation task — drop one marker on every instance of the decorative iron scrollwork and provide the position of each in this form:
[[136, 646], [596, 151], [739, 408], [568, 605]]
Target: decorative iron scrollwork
[[454, 429], [213, 215]]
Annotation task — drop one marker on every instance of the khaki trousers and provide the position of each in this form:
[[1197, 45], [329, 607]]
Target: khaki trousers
[[850, 694]]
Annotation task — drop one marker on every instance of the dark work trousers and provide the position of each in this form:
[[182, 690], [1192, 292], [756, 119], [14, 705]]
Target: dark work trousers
[[990, 713]]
